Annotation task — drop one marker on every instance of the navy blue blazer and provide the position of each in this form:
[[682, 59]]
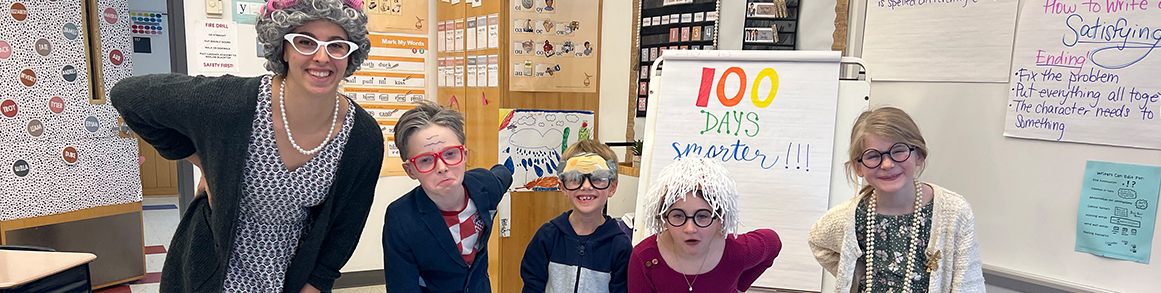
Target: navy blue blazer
[[418, 251]]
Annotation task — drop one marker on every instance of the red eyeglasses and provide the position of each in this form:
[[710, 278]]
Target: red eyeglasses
[[425, 162]]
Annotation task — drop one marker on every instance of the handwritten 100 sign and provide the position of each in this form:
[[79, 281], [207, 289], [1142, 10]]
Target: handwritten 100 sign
[[732, 102], [769, 118], [1085, 71]]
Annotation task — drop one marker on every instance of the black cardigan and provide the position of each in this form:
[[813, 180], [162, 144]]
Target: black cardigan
[[213, 116]]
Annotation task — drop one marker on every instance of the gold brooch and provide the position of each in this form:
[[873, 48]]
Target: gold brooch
[[933, 261]]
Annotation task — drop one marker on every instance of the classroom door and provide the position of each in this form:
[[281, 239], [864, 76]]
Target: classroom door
[[158, 175]]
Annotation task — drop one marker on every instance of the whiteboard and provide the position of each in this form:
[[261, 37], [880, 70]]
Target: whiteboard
[[1024, 193], [944, 40], [800, 196]]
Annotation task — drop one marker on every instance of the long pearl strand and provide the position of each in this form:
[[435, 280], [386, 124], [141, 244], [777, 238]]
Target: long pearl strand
[[282, 106], [870, 239]]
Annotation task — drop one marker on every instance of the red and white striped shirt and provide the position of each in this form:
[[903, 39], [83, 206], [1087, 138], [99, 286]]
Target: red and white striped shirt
[[465, 227]]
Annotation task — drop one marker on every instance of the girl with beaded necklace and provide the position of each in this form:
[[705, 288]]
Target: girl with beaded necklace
[[898, 234], [290, 165], [695, 246]]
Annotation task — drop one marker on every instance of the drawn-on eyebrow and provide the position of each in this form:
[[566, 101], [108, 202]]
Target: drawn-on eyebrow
[[313, 36], [434, 143]]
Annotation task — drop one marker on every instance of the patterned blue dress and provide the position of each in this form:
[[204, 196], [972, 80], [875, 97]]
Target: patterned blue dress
[[275, 205]]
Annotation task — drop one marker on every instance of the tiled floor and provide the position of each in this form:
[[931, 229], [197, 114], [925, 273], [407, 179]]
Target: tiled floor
[[160, 216], [370, 289]]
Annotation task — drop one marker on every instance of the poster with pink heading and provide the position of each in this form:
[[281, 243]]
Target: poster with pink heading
[[1086, 71]]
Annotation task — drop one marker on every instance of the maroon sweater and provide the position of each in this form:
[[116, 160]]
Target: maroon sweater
[[746, 256]]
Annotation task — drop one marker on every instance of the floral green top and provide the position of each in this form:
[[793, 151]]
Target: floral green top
[[891, 259]]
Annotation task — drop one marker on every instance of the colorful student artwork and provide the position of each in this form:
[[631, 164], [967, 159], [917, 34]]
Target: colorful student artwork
[[1084, 71], [532, 141], [769, 117]]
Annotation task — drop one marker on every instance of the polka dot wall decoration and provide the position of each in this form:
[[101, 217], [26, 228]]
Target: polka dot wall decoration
[[146, 23], [62, 153]]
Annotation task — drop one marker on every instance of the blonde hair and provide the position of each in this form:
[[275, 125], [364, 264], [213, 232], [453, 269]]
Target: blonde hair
[[588, 146], [705, 178], [889, 123]]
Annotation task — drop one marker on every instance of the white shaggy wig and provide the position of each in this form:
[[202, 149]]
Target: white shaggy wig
[[707, 178]]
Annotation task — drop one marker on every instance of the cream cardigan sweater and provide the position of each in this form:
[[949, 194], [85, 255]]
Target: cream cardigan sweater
[[953, 234]]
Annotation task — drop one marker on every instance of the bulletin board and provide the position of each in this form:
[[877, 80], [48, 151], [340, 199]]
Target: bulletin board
[[63, 146], [671, 25], [555, 46], [397, 16], [388, 84]]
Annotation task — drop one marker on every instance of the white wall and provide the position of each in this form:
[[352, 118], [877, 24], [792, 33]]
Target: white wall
[[158, 60], [616, 45]]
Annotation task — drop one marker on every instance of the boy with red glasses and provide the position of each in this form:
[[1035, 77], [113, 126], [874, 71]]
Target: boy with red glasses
[[435, 238]]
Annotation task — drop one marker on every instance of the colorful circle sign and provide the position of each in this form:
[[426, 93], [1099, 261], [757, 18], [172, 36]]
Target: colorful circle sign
[[19, 13], [43, 47], [56, 105], [92, 124], [35, 128], [5, 50], [110, 15], [69, 73], [70, 31], [116, 57], [69, 154], [20, 168], [8, 108], [27, 77]]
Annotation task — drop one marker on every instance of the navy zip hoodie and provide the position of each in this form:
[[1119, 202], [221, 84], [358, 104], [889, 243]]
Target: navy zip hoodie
[[559, 260]]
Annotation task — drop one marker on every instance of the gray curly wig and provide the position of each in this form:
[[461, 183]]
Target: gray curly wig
[[274, 25]]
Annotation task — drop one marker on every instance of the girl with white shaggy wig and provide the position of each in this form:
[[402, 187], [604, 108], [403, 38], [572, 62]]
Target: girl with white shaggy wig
[[289, 165], [694, 245]]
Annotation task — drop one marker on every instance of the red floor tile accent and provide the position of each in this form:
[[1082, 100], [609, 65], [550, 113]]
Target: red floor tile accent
[[149, 279], [155, 249], [116, 289]]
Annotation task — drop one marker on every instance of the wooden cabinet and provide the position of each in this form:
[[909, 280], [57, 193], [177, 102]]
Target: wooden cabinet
[[481, 107]]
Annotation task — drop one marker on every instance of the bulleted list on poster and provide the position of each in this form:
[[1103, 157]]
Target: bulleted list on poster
[[217, 46]]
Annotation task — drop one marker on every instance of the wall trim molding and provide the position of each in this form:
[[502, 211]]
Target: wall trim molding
[[361, 279], [1025, 282]]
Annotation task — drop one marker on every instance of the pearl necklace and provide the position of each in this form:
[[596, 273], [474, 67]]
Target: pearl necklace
[[282, 106], [870, 239]]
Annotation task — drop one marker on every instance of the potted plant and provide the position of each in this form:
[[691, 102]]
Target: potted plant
[[637, 148]]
